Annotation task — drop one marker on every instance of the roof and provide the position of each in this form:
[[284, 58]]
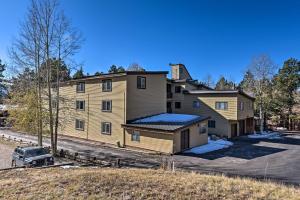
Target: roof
[[192, 82], [165, 122], [117, 74], [219, 92], [182, 65]]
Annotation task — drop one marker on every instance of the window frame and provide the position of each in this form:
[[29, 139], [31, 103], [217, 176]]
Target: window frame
[[198, 103], [83, 88], [76, 104], [140, 78], [210, 122], [177, 103], [79, 121], [178, 91], [136, 136], [220, 103], [104, 85], [104, 102], [104, 125]]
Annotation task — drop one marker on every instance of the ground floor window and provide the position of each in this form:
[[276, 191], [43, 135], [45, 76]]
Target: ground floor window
[[135, 136], [177, 105], [202, 129], [106, 128], [211, 124], [79, 124]]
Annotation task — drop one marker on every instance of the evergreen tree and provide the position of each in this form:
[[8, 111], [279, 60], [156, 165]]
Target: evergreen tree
[[224, 84], [79, 73], [115, 69], [2, 85], [287, 82], [247, 84]]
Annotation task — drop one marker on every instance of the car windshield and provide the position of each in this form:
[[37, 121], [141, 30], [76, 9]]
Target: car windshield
[[35, 152]]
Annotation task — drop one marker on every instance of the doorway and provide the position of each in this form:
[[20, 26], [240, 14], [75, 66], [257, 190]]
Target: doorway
[[234, 130], [185, 139]]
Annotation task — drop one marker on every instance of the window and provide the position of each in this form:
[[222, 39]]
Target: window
[[222, 105], [80, 87], [141, 82], [106, 128], [196, 104], [202, 129], [211, 124], [241, 105], [107, 105], [79, 125], [177, 89], [106, 85], [135, 136], [177, 105], [80, 105]]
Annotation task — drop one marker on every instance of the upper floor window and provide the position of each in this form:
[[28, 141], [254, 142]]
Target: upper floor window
[[177, 105], [80, 87], [141, 82], [177, 89], [196, 104], [106, 128], [106, 85], [211, 124], [79, 124], [80, 105], [241, 105], [221, 106], [135, 136], [107, 105]]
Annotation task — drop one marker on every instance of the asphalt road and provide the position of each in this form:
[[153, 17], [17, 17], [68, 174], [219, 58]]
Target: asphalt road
[[259, 158]]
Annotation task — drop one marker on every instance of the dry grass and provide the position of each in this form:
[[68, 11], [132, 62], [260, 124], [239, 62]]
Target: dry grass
[[133, 184]]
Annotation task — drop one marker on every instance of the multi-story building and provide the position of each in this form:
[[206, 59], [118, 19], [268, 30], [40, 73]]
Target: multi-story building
[[116, 108], [231, 112]]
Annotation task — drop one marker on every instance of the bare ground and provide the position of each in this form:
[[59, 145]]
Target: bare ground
[[6, 149]]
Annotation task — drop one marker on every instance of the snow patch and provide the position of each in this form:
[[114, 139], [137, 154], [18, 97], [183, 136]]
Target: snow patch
[[69, 166], [167, 117], [211, 146], [266, 135]]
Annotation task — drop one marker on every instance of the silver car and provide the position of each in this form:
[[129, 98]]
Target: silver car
[[31, 157]]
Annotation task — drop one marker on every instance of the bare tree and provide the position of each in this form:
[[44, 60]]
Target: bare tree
[[208, 81], [135, 67], [263, 69]]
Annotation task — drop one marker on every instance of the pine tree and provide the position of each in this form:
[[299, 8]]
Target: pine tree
[[79, 74], [2, 85]]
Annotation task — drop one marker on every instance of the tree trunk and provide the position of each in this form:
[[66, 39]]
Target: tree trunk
[[261, 119], [57, 103]]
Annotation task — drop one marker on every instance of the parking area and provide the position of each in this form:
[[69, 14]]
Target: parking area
[[261, 158], [277, 159]]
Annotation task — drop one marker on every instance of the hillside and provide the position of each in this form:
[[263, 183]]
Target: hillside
[[95, 183]]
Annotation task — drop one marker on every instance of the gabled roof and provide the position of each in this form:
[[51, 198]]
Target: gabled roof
[[199, 92], [166, 122]]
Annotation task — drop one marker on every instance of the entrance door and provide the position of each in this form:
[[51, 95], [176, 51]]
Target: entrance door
[[233, 130], [185, 139], [242, 127], [169, 107]]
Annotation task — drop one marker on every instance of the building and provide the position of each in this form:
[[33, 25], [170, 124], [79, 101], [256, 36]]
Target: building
[[109, 108], [231, 112]]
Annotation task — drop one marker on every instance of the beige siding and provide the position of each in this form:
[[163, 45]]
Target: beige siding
[[206, 109], [154, 141], [149, 101], [248, 109], [92, 114], [196, 139]]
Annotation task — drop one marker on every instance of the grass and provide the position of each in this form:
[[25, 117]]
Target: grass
[[97, 183]]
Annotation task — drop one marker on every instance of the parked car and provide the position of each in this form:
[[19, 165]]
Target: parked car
[[31, 157]]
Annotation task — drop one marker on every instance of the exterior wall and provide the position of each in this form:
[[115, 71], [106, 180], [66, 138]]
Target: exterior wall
[[176, 75], [248, 111], [196, 139], [151, 140], [207, 109], [93, 114], [149, 101]]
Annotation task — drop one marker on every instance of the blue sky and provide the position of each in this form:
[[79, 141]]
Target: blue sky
[[217, 37]]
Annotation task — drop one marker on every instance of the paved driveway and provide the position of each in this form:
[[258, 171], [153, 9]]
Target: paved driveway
[[262, 158]]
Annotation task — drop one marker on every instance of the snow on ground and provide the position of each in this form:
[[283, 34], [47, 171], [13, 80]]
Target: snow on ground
[[167, 117], [266, 135], [211, 146]]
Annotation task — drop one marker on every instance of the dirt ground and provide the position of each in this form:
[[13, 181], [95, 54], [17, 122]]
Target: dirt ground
[[6, 150]]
